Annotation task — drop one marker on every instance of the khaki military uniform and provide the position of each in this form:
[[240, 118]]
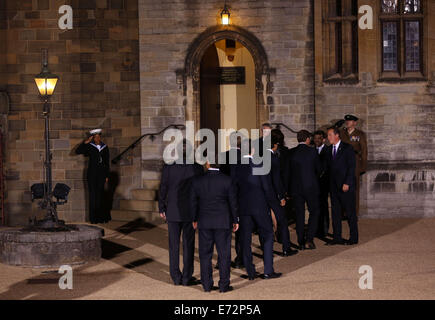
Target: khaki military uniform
[[358, 141]]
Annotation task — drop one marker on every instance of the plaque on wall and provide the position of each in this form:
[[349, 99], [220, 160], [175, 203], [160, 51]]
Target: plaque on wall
[[232, 75]]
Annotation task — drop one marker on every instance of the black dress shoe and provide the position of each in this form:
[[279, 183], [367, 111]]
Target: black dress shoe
[[177, 283], [320, 235], [290, 252], [237, 265], [335, 242], [350, 242], [310, 245], [210, 289], [192, 282], [272, 275], [250, 278], [301, 247], [229, 288]]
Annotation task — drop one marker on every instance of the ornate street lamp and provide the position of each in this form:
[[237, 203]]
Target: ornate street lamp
[[46, 83], [225, 15]]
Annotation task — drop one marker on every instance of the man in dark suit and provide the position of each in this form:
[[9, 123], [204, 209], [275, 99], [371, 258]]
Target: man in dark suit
[[305, 169], [232, 161], [214, 203], [174, 207], [255, 194], [322, 151], [233, 155], [283, 154], [341, 170], [266, 129], [280, 197]]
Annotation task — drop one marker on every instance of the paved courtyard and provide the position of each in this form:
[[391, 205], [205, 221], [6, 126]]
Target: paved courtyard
[[135, 266]]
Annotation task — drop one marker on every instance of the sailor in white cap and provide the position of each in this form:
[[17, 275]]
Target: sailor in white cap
[[97, 174]]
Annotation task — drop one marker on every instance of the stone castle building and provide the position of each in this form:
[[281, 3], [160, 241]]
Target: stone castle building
[[136, 66]]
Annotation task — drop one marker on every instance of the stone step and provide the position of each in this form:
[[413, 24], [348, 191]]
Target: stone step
[[129, 215], [139, 205], [151, 175], [143, 194], [151, 184]]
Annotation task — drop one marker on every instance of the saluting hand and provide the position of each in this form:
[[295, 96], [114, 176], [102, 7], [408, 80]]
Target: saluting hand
[[88, 140], [235, 227]]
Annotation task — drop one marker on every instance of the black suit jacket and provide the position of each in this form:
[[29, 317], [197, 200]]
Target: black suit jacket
[[305, 170], [175, 189], [255, 192], [228, 168], [275, 173], [214, 201], [342, 169], [324, 176], [284, 163]]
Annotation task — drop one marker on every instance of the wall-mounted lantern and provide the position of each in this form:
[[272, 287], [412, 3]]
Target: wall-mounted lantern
[[225, 15]]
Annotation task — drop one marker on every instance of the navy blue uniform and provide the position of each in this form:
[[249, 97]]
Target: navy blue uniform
[[98, 171]]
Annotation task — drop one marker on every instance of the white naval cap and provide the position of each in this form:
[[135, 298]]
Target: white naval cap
[[95, 131]]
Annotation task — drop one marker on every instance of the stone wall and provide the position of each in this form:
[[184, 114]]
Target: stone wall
[[398, 118], [98, 65], [167, 29]]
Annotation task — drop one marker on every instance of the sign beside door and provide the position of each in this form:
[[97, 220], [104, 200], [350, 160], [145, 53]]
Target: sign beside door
[[232, 75]]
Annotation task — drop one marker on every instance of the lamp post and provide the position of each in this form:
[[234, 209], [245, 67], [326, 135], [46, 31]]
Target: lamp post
[[46, 83]]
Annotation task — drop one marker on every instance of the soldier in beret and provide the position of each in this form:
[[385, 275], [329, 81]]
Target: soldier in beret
[[357, 138]]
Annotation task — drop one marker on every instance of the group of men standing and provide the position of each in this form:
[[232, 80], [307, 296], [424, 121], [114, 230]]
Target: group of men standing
[[232, 198]]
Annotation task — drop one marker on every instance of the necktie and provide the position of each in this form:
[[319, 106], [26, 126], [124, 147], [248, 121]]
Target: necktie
[[334, 153]]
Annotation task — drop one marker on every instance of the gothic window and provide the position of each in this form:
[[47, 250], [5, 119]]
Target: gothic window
[[340, 40], [402, 34]]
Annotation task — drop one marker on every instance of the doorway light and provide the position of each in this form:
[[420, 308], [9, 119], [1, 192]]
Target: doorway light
[[225, 15]]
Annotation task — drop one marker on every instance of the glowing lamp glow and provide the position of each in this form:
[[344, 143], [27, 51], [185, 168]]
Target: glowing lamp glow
[[46, 82], [225, 16]]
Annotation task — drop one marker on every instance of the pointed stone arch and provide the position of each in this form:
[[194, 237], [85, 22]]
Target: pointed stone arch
[[195, 52]]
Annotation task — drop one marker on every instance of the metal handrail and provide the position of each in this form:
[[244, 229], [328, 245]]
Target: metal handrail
[[279, 124], [152, 137]]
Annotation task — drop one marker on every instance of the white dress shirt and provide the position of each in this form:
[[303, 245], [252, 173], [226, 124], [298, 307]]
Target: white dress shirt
[[319, 149]]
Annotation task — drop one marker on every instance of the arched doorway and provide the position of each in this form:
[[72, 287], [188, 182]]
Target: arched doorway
[[201, 48], [227, 88], [210, 106]]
